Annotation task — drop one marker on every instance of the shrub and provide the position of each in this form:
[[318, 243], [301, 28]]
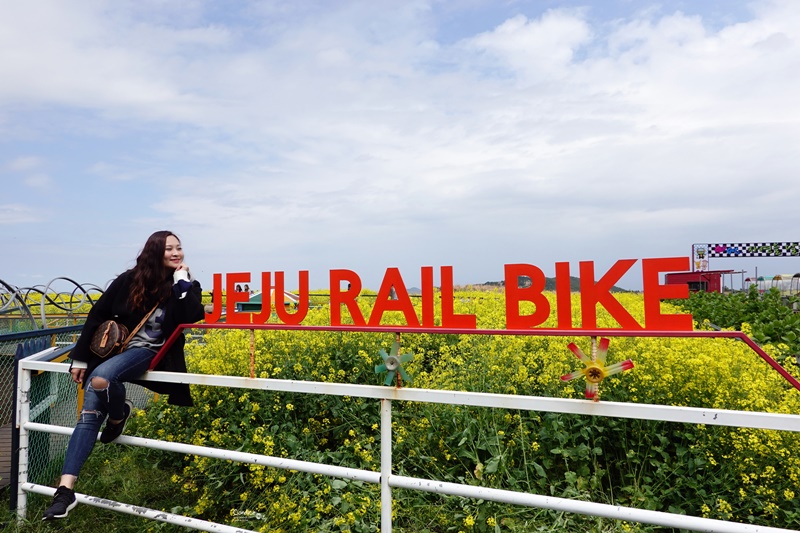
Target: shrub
[[769, 316]]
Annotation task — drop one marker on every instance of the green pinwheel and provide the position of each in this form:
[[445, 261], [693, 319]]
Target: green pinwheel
[[393, 365]]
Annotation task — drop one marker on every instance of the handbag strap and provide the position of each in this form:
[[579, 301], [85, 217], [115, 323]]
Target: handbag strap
[[137, 328]]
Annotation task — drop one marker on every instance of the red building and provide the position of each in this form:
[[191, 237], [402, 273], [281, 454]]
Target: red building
[[707, 280]]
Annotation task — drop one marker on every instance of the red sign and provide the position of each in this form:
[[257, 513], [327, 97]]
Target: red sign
[[393, 296]]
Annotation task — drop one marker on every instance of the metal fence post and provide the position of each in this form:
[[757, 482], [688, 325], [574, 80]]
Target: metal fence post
[[13, 475], [22, 412], [24, 349], [386, 465]]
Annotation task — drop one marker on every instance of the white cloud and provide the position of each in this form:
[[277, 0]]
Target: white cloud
[[541, 49], [13, 214], [112, 172], [353, 129], [22, 164], [39, 181]]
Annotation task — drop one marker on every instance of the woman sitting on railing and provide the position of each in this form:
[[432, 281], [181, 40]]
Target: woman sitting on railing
[[157, 294]]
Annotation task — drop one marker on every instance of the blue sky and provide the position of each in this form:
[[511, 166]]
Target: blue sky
[[285, 135]]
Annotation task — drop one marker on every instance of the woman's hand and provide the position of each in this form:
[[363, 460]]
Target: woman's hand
[[78, 374], [182, 280], [184, 268]]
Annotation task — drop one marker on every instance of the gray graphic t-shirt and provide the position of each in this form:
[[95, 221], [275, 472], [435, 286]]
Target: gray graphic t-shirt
[[150, 335]]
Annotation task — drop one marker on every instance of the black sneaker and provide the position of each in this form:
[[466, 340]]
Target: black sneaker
[[63, 502], [112, 431]]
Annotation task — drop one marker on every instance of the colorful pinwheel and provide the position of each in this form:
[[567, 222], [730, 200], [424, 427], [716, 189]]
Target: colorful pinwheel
[[596, 369], [393, 364]]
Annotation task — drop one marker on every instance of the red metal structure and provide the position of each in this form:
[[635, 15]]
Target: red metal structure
[[706, 281], [544, 332]]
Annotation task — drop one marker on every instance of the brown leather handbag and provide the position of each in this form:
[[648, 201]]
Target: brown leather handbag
[[108, 339], [111, 338]]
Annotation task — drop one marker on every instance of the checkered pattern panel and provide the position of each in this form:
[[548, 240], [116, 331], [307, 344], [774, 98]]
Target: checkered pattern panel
[[753, 249]]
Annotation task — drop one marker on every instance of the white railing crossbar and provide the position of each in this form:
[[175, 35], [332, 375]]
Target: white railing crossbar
[[666, 413], [228, 455], [143, 512]]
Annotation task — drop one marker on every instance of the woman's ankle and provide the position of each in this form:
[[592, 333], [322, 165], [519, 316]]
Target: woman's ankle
[[67, 481]]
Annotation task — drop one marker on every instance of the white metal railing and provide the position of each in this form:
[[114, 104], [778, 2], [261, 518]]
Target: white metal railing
[[385, 478]]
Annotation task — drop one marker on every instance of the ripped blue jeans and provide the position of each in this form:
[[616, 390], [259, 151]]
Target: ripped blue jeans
[[101, 400]]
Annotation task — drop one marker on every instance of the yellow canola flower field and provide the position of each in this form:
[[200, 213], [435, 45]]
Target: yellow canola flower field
[[727, 473]]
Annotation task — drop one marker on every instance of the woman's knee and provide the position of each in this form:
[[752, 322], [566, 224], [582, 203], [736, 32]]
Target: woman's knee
[[99, 383]]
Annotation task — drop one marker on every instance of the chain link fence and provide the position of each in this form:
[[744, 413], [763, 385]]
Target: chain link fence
[[13, 347], [28, 342], [54, 399]]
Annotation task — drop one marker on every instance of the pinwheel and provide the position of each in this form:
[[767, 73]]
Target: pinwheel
[[596, 369], [393, 365]]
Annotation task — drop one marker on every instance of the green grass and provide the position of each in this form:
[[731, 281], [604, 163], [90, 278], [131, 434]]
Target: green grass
[[125, 474]]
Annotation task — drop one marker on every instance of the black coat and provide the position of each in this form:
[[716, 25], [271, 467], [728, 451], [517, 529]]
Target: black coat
[[113, 305]]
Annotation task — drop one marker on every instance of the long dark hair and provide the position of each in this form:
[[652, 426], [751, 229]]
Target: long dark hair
[[152, 280]]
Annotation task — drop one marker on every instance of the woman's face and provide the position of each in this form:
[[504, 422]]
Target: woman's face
[[173, 253]]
